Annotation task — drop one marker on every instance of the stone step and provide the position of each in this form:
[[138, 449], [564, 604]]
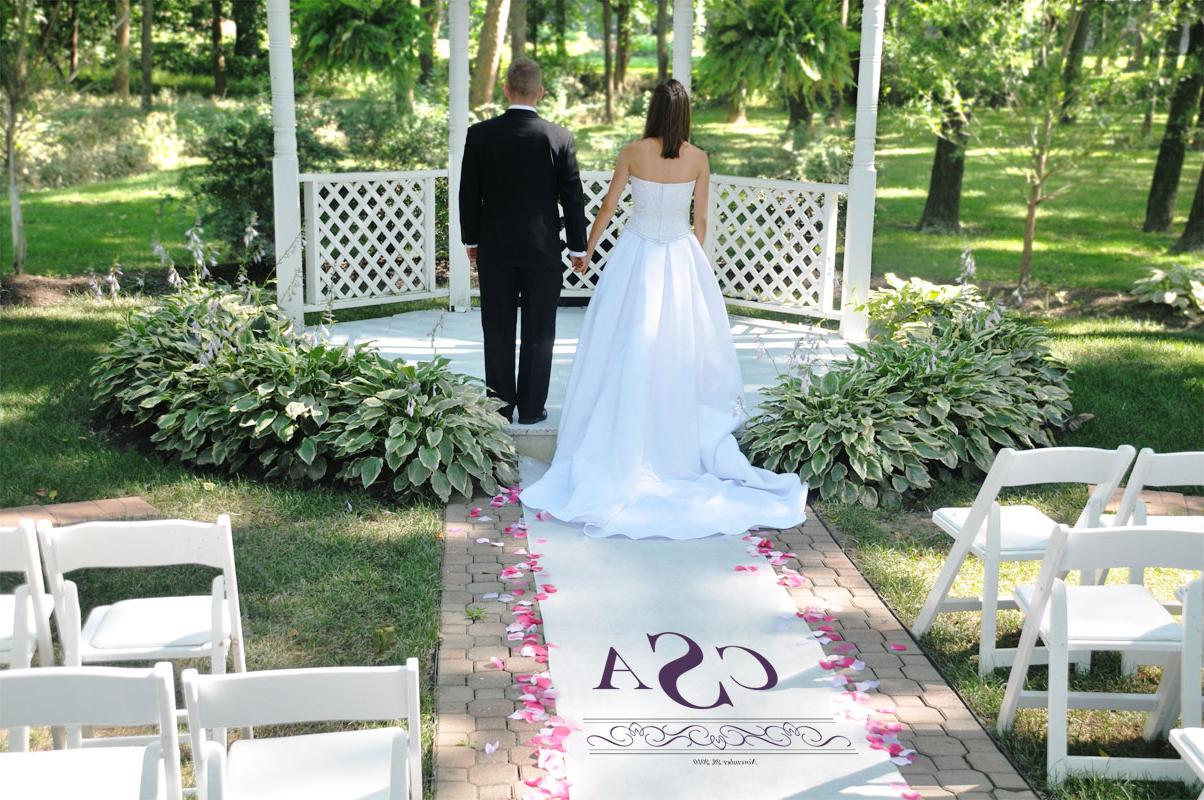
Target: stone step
[[534, 441]]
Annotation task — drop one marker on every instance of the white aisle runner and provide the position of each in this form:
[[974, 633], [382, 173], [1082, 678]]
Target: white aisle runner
[[690, 679]]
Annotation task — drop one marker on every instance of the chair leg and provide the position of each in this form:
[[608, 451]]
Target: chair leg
[[1057, 703], [990, 610], [1159, 721]]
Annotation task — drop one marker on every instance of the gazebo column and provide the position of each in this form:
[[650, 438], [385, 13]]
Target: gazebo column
[[683, 40], [863, 177], [286, 200], [459, 281]]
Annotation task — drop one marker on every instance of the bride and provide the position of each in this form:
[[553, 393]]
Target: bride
[[646, 445]]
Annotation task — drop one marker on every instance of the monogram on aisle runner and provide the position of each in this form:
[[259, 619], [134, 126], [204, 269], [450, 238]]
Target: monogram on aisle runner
[[685, 671]]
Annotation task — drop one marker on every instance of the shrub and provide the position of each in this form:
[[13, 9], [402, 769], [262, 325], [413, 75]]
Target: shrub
[[915, 303], [844, 433], [1181, 287], [216, 378], [236, 175], [935, 397]]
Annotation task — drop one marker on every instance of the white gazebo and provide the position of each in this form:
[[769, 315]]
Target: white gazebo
[[359, 239]]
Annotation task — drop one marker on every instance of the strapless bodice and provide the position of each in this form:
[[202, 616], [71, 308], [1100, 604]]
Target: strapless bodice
[[660, 211]]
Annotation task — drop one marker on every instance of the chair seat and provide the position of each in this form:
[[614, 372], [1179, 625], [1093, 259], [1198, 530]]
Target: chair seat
[[1171, 523], [8, 610], [1190, 744], [318, 766], [1024, 531], [97, 773], [152, 623], [1112, 616]]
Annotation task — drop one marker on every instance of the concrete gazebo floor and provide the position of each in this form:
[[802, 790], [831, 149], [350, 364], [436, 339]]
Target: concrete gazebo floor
[[763, 346]]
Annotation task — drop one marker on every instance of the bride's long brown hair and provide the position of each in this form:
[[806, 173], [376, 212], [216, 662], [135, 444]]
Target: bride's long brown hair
[[669, 117]]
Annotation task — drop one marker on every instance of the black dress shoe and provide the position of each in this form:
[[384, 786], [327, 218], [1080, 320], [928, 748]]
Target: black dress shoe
[[540, 417]]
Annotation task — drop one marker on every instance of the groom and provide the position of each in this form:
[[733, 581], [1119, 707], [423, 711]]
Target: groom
[[516, 168]]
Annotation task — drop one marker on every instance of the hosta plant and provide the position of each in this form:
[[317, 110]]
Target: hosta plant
[[911, 305], [845, 433], [935, 398], [432, 429], [1181, 287], [215, 377]]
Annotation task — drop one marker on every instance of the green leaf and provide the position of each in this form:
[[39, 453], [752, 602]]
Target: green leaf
[[370, 470], [429, 457], [308, 450]]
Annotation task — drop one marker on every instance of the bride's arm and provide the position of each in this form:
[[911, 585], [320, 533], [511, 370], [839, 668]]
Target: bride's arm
[[618, 181], [701, 205]]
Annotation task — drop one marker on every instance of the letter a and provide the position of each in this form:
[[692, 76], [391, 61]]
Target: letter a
[[608, 672]]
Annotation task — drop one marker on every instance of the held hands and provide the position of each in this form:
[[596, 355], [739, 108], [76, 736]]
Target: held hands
[[472, 254], [581, 263]]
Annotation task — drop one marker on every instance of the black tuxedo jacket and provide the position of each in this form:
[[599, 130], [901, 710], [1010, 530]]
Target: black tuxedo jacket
[[516, 167]]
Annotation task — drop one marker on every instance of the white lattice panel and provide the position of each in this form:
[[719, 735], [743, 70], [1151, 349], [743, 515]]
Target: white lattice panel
[[773, 243], [595, 186], [369, 236]]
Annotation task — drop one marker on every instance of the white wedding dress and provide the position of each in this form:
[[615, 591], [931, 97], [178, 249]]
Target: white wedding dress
[[645, 443]]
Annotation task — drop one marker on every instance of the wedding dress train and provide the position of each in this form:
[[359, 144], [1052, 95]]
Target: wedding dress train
[[646, 445]]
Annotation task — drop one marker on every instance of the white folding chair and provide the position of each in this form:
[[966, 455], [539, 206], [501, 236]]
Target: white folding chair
[[150, 628], [384, 763], [24, 614], [1189, 742], [106, 769], [1159, 469], [997, 534], [1117, 617]]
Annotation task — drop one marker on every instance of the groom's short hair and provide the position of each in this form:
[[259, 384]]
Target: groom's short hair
[[523, 77]]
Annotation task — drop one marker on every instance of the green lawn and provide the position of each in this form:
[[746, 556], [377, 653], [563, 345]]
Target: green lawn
[[1145, 386], [327, 577]]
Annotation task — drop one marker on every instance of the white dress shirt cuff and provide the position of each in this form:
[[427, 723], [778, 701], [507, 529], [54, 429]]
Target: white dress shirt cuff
[[575, 253], [470, 245]]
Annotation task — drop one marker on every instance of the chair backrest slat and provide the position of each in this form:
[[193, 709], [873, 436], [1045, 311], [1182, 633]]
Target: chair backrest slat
[[281, 697], [1159, 469], [134, 544], [13, 554], [78, 696], [1085, 465], [1130, 546]]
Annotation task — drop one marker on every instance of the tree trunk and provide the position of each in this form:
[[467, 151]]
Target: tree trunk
[[1193, 232], [246, 27], [607, 63], [1197, 141], [802, 112], [1030, 234], [1167, 64], [518, 29], [489, 53], [942, 209], [562, 50], [1160, 205], [432, 14], [735, 106], [148, 17], [1137, 57], [1073, 67], [219, 56], [16, 220], [622, 42], [121, 78], [662, 41], [73, 43]]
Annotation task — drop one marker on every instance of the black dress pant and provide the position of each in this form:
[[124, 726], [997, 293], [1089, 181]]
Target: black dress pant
[[504, 291]]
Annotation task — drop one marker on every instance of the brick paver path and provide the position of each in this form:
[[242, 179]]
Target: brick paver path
[[112, 508], [957, 759]]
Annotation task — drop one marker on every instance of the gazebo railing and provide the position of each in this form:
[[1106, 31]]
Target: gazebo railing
[[370, 238]]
